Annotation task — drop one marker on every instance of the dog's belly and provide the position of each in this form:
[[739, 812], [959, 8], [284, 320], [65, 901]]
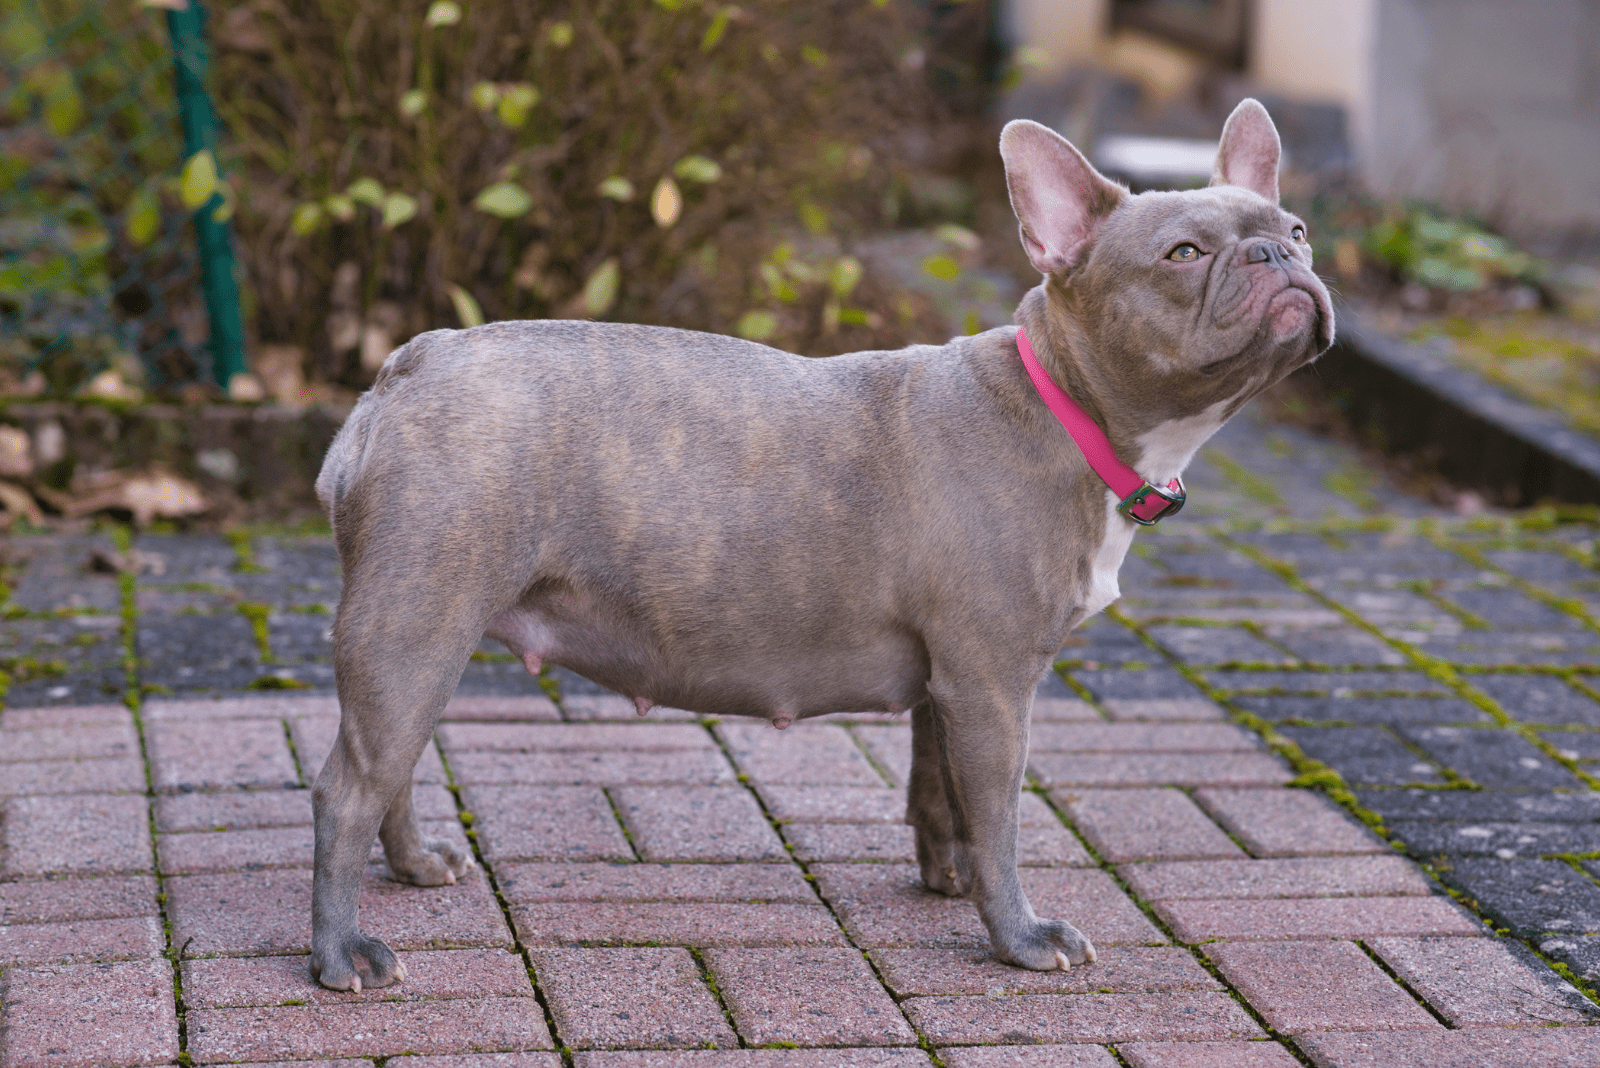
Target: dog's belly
[[768, 676]]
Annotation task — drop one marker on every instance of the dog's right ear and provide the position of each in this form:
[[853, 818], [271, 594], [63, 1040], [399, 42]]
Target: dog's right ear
[[1058, 197]]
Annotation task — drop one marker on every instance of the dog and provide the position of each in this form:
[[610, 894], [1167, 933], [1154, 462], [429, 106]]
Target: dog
[[715, 525]]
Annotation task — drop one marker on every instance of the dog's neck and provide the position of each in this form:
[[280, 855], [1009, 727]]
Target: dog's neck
[[1160, 451]]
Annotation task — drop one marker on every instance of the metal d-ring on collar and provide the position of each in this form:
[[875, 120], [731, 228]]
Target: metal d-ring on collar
[[1141, 502]]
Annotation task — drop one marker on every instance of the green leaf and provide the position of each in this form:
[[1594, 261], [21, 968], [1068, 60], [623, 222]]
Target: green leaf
[[600, 291], [230, 200], [972, 324], [814, 56], [617, 188], [144, 217], [718, 27], [306, 218], [515, 103], [443, 13], [846, 273], [507, 200], [561, 33], [198, 180], [467, 309], [670, 5], [413, 102], [339, 206], [366, 191], [697, 169], [942, 267], [757, 325], [485, 95], [398, 209], [814, 218], [854, 317]]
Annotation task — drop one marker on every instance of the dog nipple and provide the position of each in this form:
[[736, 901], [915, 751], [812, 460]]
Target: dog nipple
[[781, 721], [643, 704], [532, 662]]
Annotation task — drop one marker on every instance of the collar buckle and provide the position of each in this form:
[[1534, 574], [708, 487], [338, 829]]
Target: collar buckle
[[1148, 504]]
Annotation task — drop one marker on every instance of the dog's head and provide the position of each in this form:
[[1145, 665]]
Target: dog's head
[[1169, 304]]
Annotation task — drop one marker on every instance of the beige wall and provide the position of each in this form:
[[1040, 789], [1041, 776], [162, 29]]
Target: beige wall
[[1318, 50]]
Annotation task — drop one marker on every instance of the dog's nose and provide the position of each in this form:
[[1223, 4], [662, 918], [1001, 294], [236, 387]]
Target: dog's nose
[[1271, 252]]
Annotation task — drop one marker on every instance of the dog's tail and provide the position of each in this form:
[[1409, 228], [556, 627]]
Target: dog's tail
[[341, 468]]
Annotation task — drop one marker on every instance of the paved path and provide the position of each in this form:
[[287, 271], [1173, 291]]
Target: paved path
[[649, 888]]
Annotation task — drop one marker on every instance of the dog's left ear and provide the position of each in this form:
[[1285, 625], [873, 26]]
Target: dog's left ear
[[1058, 197], [1249, 153]]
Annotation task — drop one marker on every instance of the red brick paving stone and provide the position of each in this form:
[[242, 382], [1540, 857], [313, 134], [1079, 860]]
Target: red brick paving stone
[[233, 810], [73, 777], [67, 900], [834, 804], [1318, 986], [235, 982], [269, 912], [1558, 1047], [1299, 917], [886, 905], [65, 715], [675, 923], [88, 834], [1025, 1018], [1141, 738], [262, 847], [828, 842], [527, 707], [811, 997], [1288, 822], [545, 823], [1478, 982], [128, 938], [247, 752], [588, 708], [570, 737], [264, 707], [890, 746], [583, 768], [474, 1060], [1127, 970], [1285, 877], [807, 753], [313, 740], [881, 1057], [1064, 710], [371, 1030], [341, 1063], [751, 883], [90, 1016], [704, 823], [630, 999], [1159, 769], [67, 743], [1161, 824], [1074, 1056], [1207, 1055], [1161, 710]]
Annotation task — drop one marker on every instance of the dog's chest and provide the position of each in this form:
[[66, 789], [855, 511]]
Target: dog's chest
[[1114, 543]]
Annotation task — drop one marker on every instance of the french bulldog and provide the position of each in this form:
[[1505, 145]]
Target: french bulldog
[[715, 525]]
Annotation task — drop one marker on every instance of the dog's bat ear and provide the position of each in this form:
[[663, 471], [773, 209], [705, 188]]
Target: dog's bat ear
[[1058, 198], [1249, 153]]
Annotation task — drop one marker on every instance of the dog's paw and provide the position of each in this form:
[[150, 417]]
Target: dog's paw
[[357, 963], [1050, 945], [943, 879], [436, 863]]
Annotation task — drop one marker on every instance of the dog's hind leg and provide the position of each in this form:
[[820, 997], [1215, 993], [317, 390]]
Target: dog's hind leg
[[414, 858], [928, 807], [400, 644]]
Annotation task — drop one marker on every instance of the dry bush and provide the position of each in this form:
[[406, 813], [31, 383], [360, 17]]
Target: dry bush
[[781, 124]]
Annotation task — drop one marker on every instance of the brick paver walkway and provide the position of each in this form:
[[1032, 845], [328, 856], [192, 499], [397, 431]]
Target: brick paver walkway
[[1298, 649]]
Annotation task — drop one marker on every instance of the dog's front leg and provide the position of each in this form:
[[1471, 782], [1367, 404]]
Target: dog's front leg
[[983, 748]]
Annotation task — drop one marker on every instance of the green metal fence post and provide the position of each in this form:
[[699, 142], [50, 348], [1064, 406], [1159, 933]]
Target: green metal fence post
[[192, 63]]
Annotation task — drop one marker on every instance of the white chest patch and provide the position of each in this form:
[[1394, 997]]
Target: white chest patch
[[1167, 449], [1103, 588]]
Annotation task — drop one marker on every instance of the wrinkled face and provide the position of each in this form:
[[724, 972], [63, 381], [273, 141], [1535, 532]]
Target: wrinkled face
[[1204, 295]]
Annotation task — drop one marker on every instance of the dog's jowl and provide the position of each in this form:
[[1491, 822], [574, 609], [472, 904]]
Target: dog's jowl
[[714, 525]]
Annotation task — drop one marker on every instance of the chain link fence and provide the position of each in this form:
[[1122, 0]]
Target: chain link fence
[[105, 158]]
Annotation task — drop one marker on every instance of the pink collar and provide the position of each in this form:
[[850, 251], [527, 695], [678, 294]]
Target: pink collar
[[1141, 502]]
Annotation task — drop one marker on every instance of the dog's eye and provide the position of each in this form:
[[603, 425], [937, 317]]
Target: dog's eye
[[1184, 253], [1299, 234]]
